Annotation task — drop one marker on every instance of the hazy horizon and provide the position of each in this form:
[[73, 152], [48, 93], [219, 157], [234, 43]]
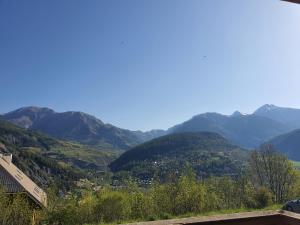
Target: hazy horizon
[[145, 65]]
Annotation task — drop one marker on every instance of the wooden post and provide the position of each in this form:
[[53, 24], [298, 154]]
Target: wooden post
[[33, 217]]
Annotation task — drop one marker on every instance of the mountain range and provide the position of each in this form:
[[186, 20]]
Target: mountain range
[[245, 130], [78, 126], [248, 131]]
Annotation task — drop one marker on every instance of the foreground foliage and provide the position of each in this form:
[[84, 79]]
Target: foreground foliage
[[182, 195], [186, 196], [15, 210]]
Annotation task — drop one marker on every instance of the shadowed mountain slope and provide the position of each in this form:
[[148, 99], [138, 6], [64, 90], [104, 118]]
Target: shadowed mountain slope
[[288, 144], [248, 131]]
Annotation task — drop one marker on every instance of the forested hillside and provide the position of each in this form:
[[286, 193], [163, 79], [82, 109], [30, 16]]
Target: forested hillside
[[48, 161], [207, 153]]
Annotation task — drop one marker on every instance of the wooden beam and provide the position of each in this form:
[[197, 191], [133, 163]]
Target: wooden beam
[[294, 1]]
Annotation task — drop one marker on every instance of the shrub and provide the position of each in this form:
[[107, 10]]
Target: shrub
[[15, 210], [112, 206], [263, 197]]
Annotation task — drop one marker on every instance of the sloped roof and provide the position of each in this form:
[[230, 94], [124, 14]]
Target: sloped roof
[[9, 184], [14, 181]]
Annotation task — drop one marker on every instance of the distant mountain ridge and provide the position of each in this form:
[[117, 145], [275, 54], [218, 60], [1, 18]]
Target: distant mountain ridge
[[246, 130], [288, 116], [77, 126]]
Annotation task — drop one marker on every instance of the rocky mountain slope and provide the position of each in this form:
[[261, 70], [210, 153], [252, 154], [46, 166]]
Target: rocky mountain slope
[[287, 116], [78, 126]]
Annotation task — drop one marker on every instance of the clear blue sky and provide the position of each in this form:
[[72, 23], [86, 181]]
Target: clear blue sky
[[143, 64]]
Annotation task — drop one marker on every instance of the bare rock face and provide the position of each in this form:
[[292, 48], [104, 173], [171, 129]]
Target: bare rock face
[[26, 117], [288, 116]]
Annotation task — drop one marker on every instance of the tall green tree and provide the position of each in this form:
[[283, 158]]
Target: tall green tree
[[274, 171]]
